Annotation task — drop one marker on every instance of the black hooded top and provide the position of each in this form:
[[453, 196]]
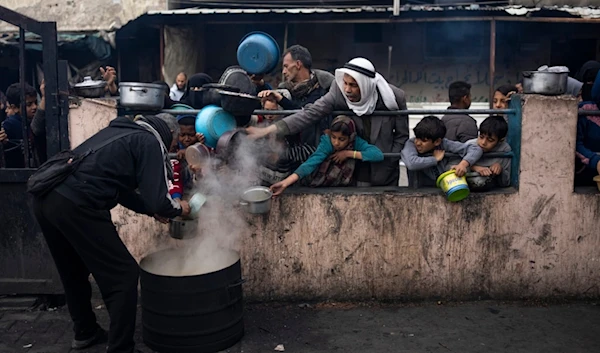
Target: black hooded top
[[129, 171]]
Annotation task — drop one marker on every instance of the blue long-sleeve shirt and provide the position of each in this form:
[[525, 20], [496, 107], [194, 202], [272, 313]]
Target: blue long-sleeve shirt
[[369, 153]]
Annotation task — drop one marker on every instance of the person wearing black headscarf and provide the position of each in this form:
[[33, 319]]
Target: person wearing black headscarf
[[131, 170], [191, 96]]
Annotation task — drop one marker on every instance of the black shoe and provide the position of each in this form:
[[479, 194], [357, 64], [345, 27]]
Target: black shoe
[[99, 337]]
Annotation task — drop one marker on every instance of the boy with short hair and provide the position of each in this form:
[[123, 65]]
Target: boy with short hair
[[492, 138], [13, 129], [187, 137], [460, 127], [429, 137]]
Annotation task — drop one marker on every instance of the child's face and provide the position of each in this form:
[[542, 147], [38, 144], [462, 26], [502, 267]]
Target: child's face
[[270, 105], [500, 100], [187, 135], [339, 140], [31, 106], [426, 145], [486, 142]]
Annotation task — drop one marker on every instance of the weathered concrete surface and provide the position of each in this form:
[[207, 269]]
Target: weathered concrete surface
[[72, 15], [541, 241], [339, 327]]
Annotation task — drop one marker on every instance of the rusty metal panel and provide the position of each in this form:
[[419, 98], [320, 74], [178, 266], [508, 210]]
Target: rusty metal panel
[[26, 266]]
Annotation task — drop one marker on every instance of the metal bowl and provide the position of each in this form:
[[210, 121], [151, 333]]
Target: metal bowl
[[545, 82], [477, 182]]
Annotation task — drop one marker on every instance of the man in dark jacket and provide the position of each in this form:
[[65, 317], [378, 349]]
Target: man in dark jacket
[[76, 223]]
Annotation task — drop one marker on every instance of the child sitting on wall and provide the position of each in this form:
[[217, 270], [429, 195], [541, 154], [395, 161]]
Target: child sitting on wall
[[429, 137], [334, 161], [492, 138]]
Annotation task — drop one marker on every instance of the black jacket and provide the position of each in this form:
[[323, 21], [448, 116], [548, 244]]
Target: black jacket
[[129, 171]]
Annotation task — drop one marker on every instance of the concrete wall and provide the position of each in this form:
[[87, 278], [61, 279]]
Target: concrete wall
[[539, 241], [87, 15]]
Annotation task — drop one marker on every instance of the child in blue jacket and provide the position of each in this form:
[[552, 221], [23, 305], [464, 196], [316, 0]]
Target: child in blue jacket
[[334, 161]]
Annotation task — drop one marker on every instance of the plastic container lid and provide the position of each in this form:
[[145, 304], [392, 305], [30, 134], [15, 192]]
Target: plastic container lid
[[89, 83]]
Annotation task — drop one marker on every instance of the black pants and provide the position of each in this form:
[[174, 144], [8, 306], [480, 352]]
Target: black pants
[[83, 241]]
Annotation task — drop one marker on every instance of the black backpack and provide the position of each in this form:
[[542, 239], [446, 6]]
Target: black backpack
[[56, 169]]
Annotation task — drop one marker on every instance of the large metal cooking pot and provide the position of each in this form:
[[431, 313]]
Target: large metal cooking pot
[[545, 82], [257, 200], [142, 96], [192, 300], [90, 88]]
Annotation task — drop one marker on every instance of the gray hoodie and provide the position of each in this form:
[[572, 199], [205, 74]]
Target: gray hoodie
[[429, 165], [503, 180]]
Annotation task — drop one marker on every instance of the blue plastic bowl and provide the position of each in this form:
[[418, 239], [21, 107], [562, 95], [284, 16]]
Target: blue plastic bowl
[[258, 53], [213, 121]]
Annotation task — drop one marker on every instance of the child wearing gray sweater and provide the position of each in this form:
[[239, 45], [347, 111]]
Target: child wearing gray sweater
[[429, 137], [492, 138]]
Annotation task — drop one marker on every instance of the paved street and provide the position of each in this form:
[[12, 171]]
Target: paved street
[[484, 326]]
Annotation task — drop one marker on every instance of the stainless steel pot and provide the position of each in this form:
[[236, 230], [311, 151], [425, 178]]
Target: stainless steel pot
[[183, 229], [257, 200], [545, 82], [90, 88], [142, 96]]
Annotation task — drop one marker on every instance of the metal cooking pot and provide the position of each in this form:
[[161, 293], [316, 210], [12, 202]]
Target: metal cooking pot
[[228, 142], [90, 88], [239, 104], [210, 93], [478, 182], [142, 96], [183, 229], [545, 82], [257, 200]]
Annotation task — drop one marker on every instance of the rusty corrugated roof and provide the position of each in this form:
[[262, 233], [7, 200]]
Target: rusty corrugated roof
[[584, 12]]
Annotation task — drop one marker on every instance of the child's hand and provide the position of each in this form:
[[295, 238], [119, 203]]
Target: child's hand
[[340, 156], [483, 171], [181, 154], [195, 169], [4, 137], [496, 169], [461, 168], [279, 187], [201, 138], [438, 155]]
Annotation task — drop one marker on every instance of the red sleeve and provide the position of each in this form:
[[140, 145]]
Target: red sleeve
[[176, 186]]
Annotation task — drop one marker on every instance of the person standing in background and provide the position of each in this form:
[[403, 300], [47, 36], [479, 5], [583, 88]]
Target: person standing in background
[[178, 88]]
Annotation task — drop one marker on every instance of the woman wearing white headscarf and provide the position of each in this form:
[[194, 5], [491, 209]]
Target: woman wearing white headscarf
[[360, 89]]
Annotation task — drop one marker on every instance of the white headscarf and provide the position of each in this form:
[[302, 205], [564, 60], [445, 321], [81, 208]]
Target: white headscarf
[[369, 82]]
